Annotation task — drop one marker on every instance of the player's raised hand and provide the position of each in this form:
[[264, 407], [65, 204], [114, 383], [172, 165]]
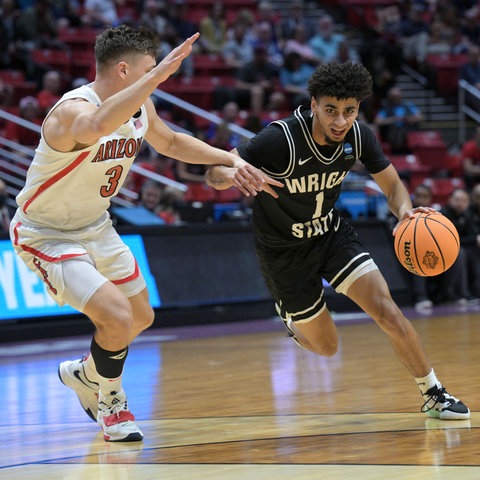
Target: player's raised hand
[[250, 180], [171, 63]]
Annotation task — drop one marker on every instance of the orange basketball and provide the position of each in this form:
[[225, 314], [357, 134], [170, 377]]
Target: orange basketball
[[427, 245]]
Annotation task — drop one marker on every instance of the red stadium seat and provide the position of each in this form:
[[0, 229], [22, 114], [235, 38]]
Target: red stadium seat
[[200, 192], [229, 195], [49, 58], [443, 187]]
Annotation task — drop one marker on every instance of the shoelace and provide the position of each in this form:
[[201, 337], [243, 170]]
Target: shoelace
[[117, 413], [440, 395], [114, 408]]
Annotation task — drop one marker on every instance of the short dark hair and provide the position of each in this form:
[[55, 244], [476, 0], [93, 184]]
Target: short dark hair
[[116, 42], [340, 80]]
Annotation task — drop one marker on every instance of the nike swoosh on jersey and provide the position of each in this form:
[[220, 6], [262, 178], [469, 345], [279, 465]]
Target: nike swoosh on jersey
[[302, 162]]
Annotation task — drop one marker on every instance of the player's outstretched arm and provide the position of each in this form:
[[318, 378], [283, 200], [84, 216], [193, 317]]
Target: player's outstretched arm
[[248, 179]]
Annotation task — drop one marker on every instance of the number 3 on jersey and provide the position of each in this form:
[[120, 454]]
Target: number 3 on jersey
[[114, 174]]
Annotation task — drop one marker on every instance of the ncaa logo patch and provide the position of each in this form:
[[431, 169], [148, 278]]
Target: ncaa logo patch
[[347, 148]]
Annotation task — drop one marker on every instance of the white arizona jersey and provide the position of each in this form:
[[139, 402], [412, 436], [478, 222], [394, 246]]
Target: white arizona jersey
[[68, 191]]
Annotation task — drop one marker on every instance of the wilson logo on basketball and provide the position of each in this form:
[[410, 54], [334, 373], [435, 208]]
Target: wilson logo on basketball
[[430, 260], [408, 261]]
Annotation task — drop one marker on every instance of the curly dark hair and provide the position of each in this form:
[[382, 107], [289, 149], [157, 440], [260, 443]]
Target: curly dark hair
[[340, 80], [117, 42]]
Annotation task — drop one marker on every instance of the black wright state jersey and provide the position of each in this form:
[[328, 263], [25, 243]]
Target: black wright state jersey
[[312, 175]]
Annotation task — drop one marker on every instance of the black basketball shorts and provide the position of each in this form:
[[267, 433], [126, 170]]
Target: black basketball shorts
[[294, 274]]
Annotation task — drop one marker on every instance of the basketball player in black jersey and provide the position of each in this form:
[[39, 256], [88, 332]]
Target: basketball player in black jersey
[[300, 237]]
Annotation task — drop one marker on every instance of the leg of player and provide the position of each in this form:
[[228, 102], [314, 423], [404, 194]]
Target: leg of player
[[118, 320], [318, 335], [371, 293], [112, 315]]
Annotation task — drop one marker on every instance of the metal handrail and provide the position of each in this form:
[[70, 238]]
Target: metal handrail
[[464, 110]]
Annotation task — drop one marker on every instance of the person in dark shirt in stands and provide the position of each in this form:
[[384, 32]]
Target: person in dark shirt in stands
[[475, 257], [29, 109], [397, 117], [470, 157], [470, 70], [455, 281]]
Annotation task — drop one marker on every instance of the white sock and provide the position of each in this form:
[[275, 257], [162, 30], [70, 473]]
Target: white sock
[[109, 386], [426, 383]]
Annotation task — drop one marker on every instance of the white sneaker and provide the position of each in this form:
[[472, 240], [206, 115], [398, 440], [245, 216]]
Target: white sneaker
[[72, 374], [116, 420], [440, 404]]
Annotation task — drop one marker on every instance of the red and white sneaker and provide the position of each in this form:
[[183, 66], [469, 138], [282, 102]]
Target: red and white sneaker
[[72, 374], [116, 420]]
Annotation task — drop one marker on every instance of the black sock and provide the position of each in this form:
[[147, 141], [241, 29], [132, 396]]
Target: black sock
[[109, 364]]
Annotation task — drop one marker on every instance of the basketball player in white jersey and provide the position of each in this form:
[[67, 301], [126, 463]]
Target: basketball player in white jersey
[[62, 229]]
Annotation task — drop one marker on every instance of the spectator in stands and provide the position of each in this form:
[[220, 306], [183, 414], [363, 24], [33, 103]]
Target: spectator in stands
[[78, 82], [299, 43], [67, 13], [294, 76], [267, 13], [221, 137], [6, 94], [9, 13], [51, 92], [213, 29], [230, 115], [297, 17], [177, 14], [255, 86], [382, 60], [150, 195], [395, 119], [346, 53], [444, 33], [265, 36], [414, 34], [36, 27], [238, 48], [169, 39], [470, 70], [470, 156], [101, 13], [168, 209], [455, 281], [153, 15], [6, 210], [325, 41], [155, 163], [193, 176], [247, 17], [194, 173], [29, 109], [256, 81], [475, 255], [470, 27]]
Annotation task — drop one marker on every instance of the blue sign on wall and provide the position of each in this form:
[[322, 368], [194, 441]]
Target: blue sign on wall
[[23, 294]]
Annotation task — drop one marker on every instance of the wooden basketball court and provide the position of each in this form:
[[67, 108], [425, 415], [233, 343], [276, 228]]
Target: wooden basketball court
[[242, 401]]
